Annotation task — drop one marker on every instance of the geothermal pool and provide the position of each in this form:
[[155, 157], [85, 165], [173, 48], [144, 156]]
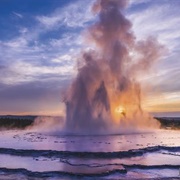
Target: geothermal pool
[[29, 154]]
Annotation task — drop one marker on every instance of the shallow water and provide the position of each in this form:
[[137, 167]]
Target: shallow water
[[25, 154]]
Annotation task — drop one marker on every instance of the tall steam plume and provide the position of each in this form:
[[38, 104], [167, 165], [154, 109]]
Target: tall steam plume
[[106, 93]]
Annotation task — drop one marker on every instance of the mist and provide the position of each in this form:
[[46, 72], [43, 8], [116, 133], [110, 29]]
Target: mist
[[106, 94]]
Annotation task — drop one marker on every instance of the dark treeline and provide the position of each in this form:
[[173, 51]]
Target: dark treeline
[[169, 122], [22, 122], [15, 122]]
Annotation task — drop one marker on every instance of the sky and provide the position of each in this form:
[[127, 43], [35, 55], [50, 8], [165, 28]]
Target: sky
[[40, 41]]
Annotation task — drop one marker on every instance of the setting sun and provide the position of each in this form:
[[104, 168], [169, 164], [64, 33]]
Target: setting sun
[[120, 110]]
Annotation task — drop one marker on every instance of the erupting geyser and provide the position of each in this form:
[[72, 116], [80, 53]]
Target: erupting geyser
[[106, 93]]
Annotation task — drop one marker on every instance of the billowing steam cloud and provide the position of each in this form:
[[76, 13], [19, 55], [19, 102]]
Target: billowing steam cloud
[[106, 93]]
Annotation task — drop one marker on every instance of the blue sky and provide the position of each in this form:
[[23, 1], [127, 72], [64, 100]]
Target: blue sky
[[40, 41]]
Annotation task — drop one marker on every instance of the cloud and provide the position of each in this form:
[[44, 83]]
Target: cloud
[[18, 15], [23, 72], [16, 43], [158, 20], [23, 30], [29, 57], [135, 2], [45, 48], [163, 102], [67, 40], [59, 59], [74, 15], [35, 97], [161, 20]]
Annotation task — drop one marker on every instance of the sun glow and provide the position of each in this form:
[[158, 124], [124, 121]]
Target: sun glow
[[120, 110], [118, 113]]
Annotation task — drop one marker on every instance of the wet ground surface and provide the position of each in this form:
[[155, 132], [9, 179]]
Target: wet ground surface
[[25, 154]]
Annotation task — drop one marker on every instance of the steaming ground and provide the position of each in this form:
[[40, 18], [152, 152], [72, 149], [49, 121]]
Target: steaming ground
[[57, 126]]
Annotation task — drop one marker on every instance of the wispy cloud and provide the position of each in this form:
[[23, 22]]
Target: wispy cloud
[[28, 57], [23, 72], [161, 20], [74, 15], [158, 20], [45, 47], [18, 15]]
